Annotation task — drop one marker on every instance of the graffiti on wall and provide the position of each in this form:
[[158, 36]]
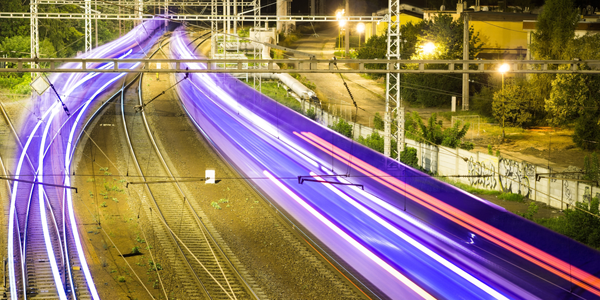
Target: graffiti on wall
[[567, 192], [515, 176], [481, 173]]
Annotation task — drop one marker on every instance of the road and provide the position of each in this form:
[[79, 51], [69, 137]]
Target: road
[[369, 95], [409, 234]]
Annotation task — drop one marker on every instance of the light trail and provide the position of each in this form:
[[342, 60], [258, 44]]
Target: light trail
[[122, 46], [417, 289], [258, 136]]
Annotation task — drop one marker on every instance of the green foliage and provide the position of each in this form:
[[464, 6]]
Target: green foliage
[[578, 223], [154, 267], [482, 101], [555, 30], [430, 90], [103, 204], [373, 141], [466, 145], [532, 209], [409, 157], [343, 128], [511, 197], [215, 205], [311, 113], [514, 104], [378, 122], [121, 279], [490, 152], [374, 48], [591, 168], [433, 133], [135, 250], [587, 131]]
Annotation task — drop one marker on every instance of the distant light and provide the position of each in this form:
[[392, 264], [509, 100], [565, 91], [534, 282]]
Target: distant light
[[504, 68], [429, 48], [360, 27], [342, 23], [339, 14]]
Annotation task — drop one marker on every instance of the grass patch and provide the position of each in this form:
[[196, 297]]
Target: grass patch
[[512, 197], [279, 94]]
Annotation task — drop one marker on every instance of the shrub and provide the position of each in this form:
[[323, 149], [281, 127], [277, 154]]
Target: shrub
[[342, 127], [373, 141], [409, 157], [578, 223], [378, 122], [311, 113], [591, 168]]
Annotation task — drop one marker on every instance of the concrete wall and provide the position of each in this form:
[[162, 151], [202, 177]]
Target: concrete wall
[[497, 173]]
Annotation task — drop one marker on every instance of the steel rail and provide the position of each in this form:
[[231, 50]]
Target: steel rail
[[197, 218], [161, 218], [310, 66]]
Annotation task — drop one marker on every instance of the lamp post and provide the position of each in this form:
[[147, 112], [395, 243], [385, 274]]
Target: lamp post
[[342, 25], [360, 28], [503, 69], [338, 16]]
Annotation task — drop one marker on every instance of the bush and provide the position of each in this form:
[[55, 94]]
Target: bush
[[578, 223], [378, 122], [587, 132], [343, 128], [311, 113], [373, 141], [409, 157], [531, 210], [591, 168]]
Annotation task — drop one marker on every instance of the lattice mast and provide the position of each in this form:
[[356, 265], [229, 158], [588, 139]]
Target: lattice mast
[[393, 99], [35, 37]]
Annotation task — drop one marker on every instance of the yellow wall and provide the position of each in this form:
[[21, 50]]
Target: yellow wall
[[493, 34], [501, 34], [382, 27]]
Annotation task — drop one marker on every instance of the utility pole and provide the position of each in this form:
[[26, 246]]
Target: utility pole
[[88, 25], [120, 34], [393, 100], [96, 9], [348, 29], [465, 89], [312, 7], [35, 37]]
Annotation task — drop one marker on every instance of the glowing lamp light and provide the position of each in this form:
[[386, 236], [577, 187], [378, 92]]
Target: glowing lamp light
[[428, 48], [342, 23], [339, 13], [360, 27], [504, 68]]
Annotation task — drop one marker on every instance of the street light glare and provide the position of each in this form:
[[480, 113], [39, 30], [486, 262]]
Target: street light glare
[[428, 48], [504, 68], [339, 13], [360, 27], [342, 23]]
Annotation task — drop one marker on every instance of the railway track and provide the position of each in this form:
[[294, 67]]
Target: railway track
[[201, 266], [34, 275]]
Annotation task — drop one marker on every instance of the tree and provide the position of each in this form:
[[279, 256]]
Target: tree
[[555, 30], [374, 48], [447, 35], [433, 132], [513, 104]]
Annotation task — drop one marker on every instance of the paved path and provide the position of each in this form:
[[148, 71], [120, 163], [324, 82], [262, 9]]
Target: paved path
[[369, 95]]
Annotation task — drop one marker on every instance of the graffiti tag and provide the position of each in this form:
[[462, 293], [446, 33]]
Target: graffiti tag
[[482, 174]]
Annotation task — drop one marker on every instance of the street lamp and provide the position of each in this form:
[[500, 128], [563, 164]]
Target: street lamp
[[428, 48], [360, 28], [342, 24], [503, 69]]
